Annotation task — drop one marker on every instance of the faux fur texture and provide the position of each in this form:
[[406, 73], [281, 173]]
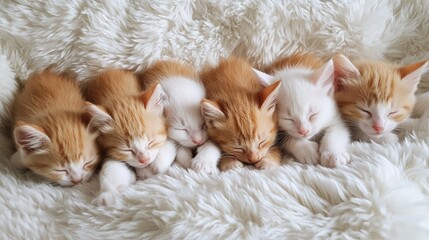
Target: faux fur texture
[[382, 194]]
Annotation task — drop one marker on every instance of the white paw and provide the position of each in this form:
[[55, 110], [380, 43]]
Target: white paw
[[200, 165], [266, 165], [145, 173], [309, 153], [108, 198], [184, 157], [230, 165], [332, 159]]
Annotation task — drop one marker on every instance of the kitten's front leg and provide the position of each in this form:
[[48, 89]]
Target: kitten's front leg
[[271, 160], [334, 145], [115, 177], [228, 163], [305, 151], [207, 158], [184, 157], [162, 162]]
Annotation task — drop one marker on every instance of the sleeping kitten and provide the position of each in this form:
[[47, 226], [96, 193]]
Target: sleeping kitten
[[132, 128], [51, 132], [240, 115], [307, 110], [374, 97], [185, 123]]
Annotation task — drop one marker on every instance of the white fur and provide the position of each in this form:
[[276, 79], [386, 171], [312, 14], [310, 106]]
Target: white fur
[[363, 200], [162, 162], [306, 92], [186, 124], [115, 178]]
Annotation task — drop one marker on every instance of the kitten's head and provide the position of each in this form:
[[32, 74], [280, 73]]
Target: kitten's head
[[376, 96], [185, 123], [59, 147], [246, 129], [132, 128], [305, 101]]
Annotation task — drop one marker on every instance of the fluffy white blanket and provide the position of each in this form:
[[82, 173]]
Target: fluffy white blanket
[[382, 194]]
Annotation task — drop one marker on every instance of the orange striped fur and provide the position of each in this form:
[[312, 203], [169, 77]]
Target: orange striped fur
[[233, 89], [53, 105]]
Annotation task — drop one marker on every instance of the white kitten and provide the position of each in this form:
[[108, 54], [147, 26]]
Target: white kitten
[[307, 108], [186, 128]]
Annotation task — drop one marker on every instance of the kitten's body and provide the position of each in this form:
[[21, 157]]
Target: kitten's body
[[51, 132], [132, 129], [374, 97], [185, 123], [240, 115], [307, 110]]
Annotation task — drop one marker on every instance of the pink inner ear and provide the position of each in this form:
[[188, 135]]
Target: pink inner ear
[[30, 139]]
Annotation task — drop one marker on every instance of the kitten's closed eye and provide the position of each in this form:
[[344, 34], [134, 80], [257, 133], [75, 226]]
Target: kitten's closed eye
[[154, 143], [288, 119], [313, 116], [261, 143], [366, 112], [392, 113], [64, 171], [239, 149]]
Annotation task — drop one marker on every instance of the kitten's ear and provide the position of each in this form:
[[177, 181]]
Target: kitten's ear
[[154, 99], [343, 68], [268, 97], [30, 138], [211, 111], [323, 77], [264, 79], [411, 74], [97, 118]]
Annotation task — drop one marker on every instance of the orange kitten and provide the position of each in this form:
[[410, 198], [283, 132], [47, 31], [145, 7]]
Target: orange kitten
[[132, 128], [240, 115], [374, 97], [51, 132]]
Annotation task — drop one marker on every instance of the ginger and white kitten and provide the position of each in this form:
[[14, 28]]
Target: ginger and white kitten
[[131, 125], [240, 115], [307, 110], [374, 97], [185, 124], [51, 130]]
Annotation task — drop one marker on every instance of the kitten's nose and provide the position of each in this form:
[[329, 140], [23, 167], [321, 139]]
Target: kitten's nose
[[303, 131], [253, 157], [143, 160], [378, 129], [76, 181], [197, 140]]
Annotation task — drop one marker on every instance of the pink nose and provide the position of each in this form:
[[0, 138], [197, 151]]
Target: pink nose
[[143, 160], [76, 181], [198, 141], [253, 157], [378, 129], [303, 131]]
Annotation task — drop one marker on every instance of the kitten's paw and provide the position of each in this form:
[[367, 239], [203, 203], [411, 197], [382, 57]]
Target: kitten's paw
[[107, 198], [230, 165], [267, 164], [309, 153], [184, 157], [201, 165], [332, 159], [145, 173]]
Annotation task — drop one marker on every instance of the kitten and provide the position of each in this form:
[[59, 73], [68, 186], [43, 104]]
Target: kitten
[[240, 115], [374, 97], [132, 128], [307, 110], [185, 124], [51, 132]]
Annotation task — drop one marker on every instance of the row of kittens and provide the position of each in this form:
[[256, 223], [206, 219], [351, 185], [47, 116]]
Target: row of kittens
[[225, 117]]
